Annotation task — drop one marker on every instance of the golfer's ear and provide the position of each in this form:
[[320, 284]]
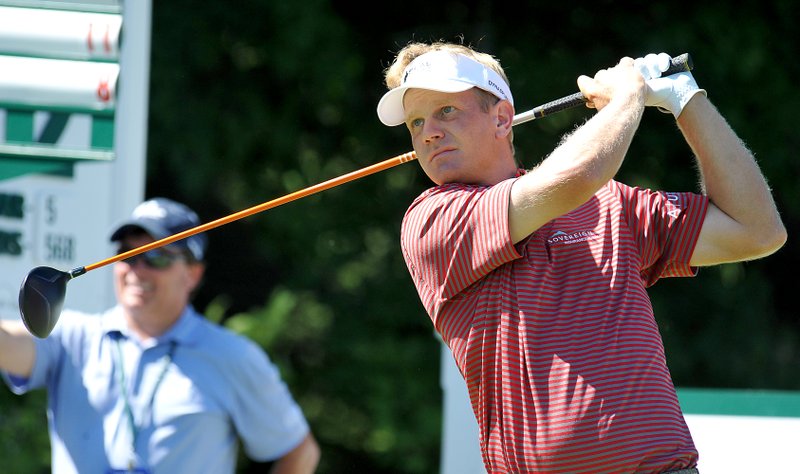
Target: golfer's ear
[[504, 113]]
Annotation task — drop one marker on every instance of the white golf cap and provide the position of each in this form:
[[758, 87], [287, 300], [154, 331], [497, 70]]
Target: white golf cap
[[441, 71]]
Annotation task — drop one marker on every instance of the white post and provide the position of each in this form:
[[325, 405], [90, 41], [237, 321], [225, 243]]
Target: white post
[[460, 449]]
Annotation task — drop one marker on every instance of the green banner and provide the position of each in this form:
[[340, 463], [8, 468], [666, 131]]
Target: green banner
[[14, 167], [739, 402]]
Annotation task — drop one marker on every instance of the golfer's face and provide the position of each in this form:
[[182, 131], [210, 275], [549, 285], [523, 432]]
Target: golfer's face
[[157, 287], [452, 137]]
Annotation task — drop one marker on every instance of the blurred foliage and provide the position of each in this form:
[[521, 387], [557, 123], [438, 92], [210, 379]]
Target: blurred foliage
[[24, 444], [255, 99]]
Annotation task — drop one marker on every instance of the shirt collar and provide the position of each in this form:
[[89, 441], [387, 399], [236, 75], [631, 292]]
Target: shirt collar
[[115, 325]]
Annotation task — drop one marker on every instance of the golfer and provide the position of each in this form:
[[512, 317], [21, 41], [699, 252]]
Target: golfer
[[536, 280], [151, 386]]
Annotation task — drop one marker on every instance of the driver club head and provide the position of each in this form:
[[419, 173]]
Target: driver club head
[[41, 297]]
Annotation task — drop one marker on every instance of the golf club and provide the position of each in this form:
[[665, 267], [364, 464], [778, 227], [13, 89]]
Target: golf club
[[42, 292]]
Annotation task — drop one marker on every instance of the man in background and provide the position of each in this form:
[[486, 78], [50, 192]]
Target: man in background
[[151, 386]]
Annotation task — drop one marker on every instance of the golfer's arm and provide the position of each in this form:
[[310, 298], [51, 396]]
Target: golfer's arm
[[742, 222], [585, 161], [17, 349], [303, 459]]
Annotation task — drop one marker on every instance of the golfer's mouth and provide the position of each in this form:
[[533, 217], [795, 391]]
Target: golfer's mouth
[[440, 152]]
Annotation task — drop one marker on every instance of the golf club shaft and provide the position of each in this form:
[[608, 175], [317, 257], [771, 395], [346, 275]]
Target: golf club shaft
[[383, 165], [679, 63]]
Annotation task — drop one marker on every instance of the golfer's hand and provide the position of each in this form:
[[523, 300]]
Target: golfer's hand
[[670, 94], [621, 82]]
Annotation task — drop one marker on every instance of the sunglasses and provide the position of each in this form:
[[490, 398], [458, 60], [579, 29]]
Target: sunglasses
[[158, 259]]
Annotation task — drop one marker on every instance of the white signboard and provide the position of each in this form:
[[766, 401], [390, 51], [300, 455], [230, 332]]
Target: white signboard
[[745, 443], [59, 196], [58, 82], [64, 33]]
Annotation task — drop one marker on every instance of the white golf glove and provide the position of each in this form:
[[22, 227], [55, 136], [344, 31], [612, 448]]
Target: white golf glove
[[671, 93]]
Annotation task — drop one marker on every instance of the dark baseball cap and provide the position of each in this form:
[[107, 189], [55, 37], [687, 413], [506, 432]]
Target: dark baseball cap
[[162, 217]]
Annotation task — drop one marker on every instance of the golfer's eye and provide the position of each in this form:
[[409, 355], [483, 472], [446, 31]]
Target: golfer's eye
[[416, 123], [446, 112]]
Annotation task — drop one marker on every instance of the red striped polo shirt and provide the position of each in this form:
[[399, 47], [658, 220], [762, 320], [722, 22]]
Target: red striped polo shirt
[[555, 336]]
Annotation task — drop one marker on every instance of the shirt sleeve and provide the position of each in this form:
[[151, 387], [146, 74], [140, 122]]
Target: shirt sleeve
[[268, 420], [666, 226], [49, 353], [454, 235]]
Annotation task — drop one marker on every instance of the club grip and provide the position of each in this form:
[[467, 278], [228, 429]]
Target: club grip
[[680, 63]]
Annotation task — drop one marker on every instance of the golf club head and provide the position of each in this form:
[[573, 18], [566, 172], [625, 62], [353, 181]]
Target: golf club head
[[41, 297]]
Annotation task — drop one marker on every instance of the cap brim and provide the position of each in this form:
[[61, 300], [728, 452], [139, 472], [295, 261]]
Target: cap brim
[[156, 231], [391, 111]]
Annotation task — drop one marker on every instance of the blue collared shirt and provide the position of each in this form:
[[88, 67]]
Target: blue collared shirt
[[218, 388]]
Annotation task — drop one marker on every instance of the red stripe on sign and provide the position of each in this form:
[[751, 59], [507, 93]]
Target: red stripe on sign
[[103, 91], [106, 42], [89, 44]]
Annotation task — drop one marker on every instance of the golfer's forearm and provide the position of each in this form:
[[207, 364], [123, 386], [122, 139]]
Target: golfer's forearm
[[17, 349], [585, 161], [730, 176]]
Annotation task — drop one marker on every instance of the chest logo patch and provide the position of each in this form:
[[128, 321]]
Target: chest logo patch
[[562, 238]]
